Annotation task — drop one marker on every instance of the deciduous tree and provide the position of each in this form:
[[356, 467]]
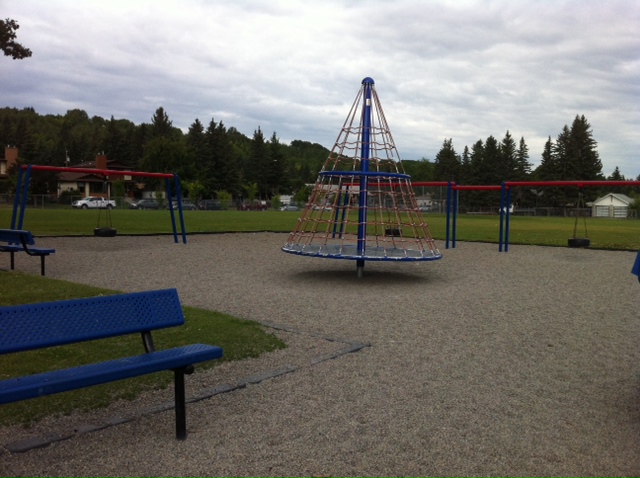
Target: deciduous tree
[[8, 43]]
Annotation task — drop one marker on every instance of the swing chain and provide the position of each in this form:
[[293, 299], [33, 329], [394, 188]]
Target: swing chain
[[579, 205], [108, 217]]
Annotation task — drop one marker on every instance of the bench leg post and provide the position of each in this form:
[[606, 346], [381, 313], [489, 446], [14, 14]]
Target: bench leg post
[[181, 409], [42, 265], [13, 263]]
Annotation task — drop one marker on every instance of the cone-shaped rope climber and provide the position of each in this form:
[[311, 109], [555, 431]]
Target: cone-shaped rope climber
[[363, 206]]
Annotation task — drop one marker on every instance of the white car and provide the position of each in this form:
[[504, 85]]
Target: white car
[[93, 202]]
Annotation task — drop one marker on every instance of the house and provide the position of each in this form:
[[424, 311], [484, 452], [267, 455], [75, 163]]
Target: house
[[9, 159], [89, 184], [613, 206]]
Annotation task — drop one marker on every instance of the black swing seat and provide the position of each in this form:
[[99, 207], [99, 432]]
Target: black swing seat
[[105, 232], [579, 242]]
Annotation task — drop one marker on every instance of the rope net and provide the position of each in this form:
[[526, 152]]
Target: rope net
[[362, 205]]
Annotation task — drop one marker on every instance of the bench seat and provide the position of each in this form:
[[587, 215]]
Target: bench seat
[[18, 240], [33, 250], [47, 383]]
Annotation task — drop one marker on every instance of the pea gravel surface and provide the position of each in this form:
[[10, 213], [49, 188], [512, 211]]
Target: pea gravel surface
[[525, 363]]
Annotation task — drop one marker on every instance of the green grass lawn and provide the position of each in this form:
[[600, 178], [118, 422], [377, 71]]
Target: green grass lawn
[[62, 222], [545, 231], [552, 231]]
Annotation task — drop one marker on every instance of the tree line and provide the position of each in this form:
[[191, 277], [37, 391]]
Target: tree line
[[214, 160], [210, 160], [572, 156]]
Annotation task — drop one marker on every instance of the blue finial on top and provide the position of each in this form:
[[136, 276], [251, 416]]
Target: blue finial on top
[[368, 81]]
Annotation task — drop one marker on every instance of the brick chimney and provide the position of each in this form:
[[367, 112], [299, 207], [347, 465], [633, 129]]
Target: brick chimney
[[11, 155], [9, 159], [101, 161]]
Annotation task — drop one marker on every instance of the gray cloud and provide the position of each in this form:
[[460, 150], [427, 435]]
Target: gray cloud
[[460, 70]]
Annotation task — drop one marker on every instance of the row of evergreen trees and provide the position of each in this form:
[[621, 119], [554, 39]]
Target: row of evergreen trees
[[572, 156], [213, 158]]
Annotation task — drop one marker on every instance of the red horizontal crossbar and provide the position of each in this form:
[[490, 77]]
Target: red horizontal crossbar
[[392, 184], [430, 183], [579, 184], [478, 187], [105, 172]]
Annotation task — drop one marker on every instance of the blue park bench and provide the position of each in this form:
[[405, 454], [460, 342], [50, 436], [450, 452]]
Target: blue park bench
[[48, 324], [18, 240]]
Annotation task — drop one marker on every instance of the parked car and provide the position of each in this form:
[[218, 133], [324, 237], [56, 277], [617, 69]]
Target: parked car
[[256, 205], [93, 202], [210, 205], [186, 205], [289, 207], [144, 204]]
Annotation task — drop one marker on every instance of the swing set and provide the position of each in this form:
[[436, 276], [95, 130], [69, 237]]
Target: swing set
[[575, 241], [172, 184], [506, 206]]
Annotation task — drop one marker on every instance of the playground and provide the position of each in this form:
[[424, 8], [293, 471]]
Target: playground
[[482, 363]]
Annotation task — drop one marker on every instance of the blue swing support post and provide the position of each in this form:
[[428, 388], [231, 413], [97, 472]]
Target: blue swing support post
[[24, 179]]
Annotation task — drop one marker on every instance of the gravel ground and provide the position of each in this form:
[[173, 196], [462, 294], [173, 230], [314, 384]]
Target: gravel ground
[[524, 363]]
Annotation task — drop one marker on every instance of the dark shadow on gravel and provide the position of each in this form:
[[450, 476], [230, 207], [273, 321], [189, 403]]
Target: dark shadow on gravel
[[370, 277]]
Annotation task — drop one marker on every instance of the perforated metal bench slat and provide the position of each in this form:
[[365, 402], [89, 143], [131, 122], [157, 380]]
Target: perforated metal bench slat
[[13, 235], [62, 322], [35, 250], [11, 247], [33, 386]]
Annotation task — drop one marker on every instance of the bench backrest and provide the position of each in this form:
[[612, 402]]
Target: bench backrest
[[31, 326], [13, 236]]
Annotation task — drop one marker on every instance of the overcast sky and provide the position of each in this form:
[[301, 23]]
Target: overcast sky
[[463, 70]]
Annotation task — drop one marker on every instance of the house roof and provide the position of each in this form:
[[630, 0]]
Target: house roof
[[73, 177], [111, 164], [609, 198], [70, 176]]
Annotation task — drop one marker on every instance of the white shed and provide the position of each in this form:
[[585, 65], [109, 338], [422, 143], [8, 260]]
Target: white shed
[[613, 206]]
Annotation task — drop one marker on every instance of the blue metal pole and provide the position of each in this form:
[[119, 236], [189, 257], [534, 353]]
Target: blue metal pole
[[345, 204], [173, 217], [454, 207], [448, 224], [16, 199], [338, 207], [364, 167], [25, 194], [176, 181], [502, 201], [506, 231]]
